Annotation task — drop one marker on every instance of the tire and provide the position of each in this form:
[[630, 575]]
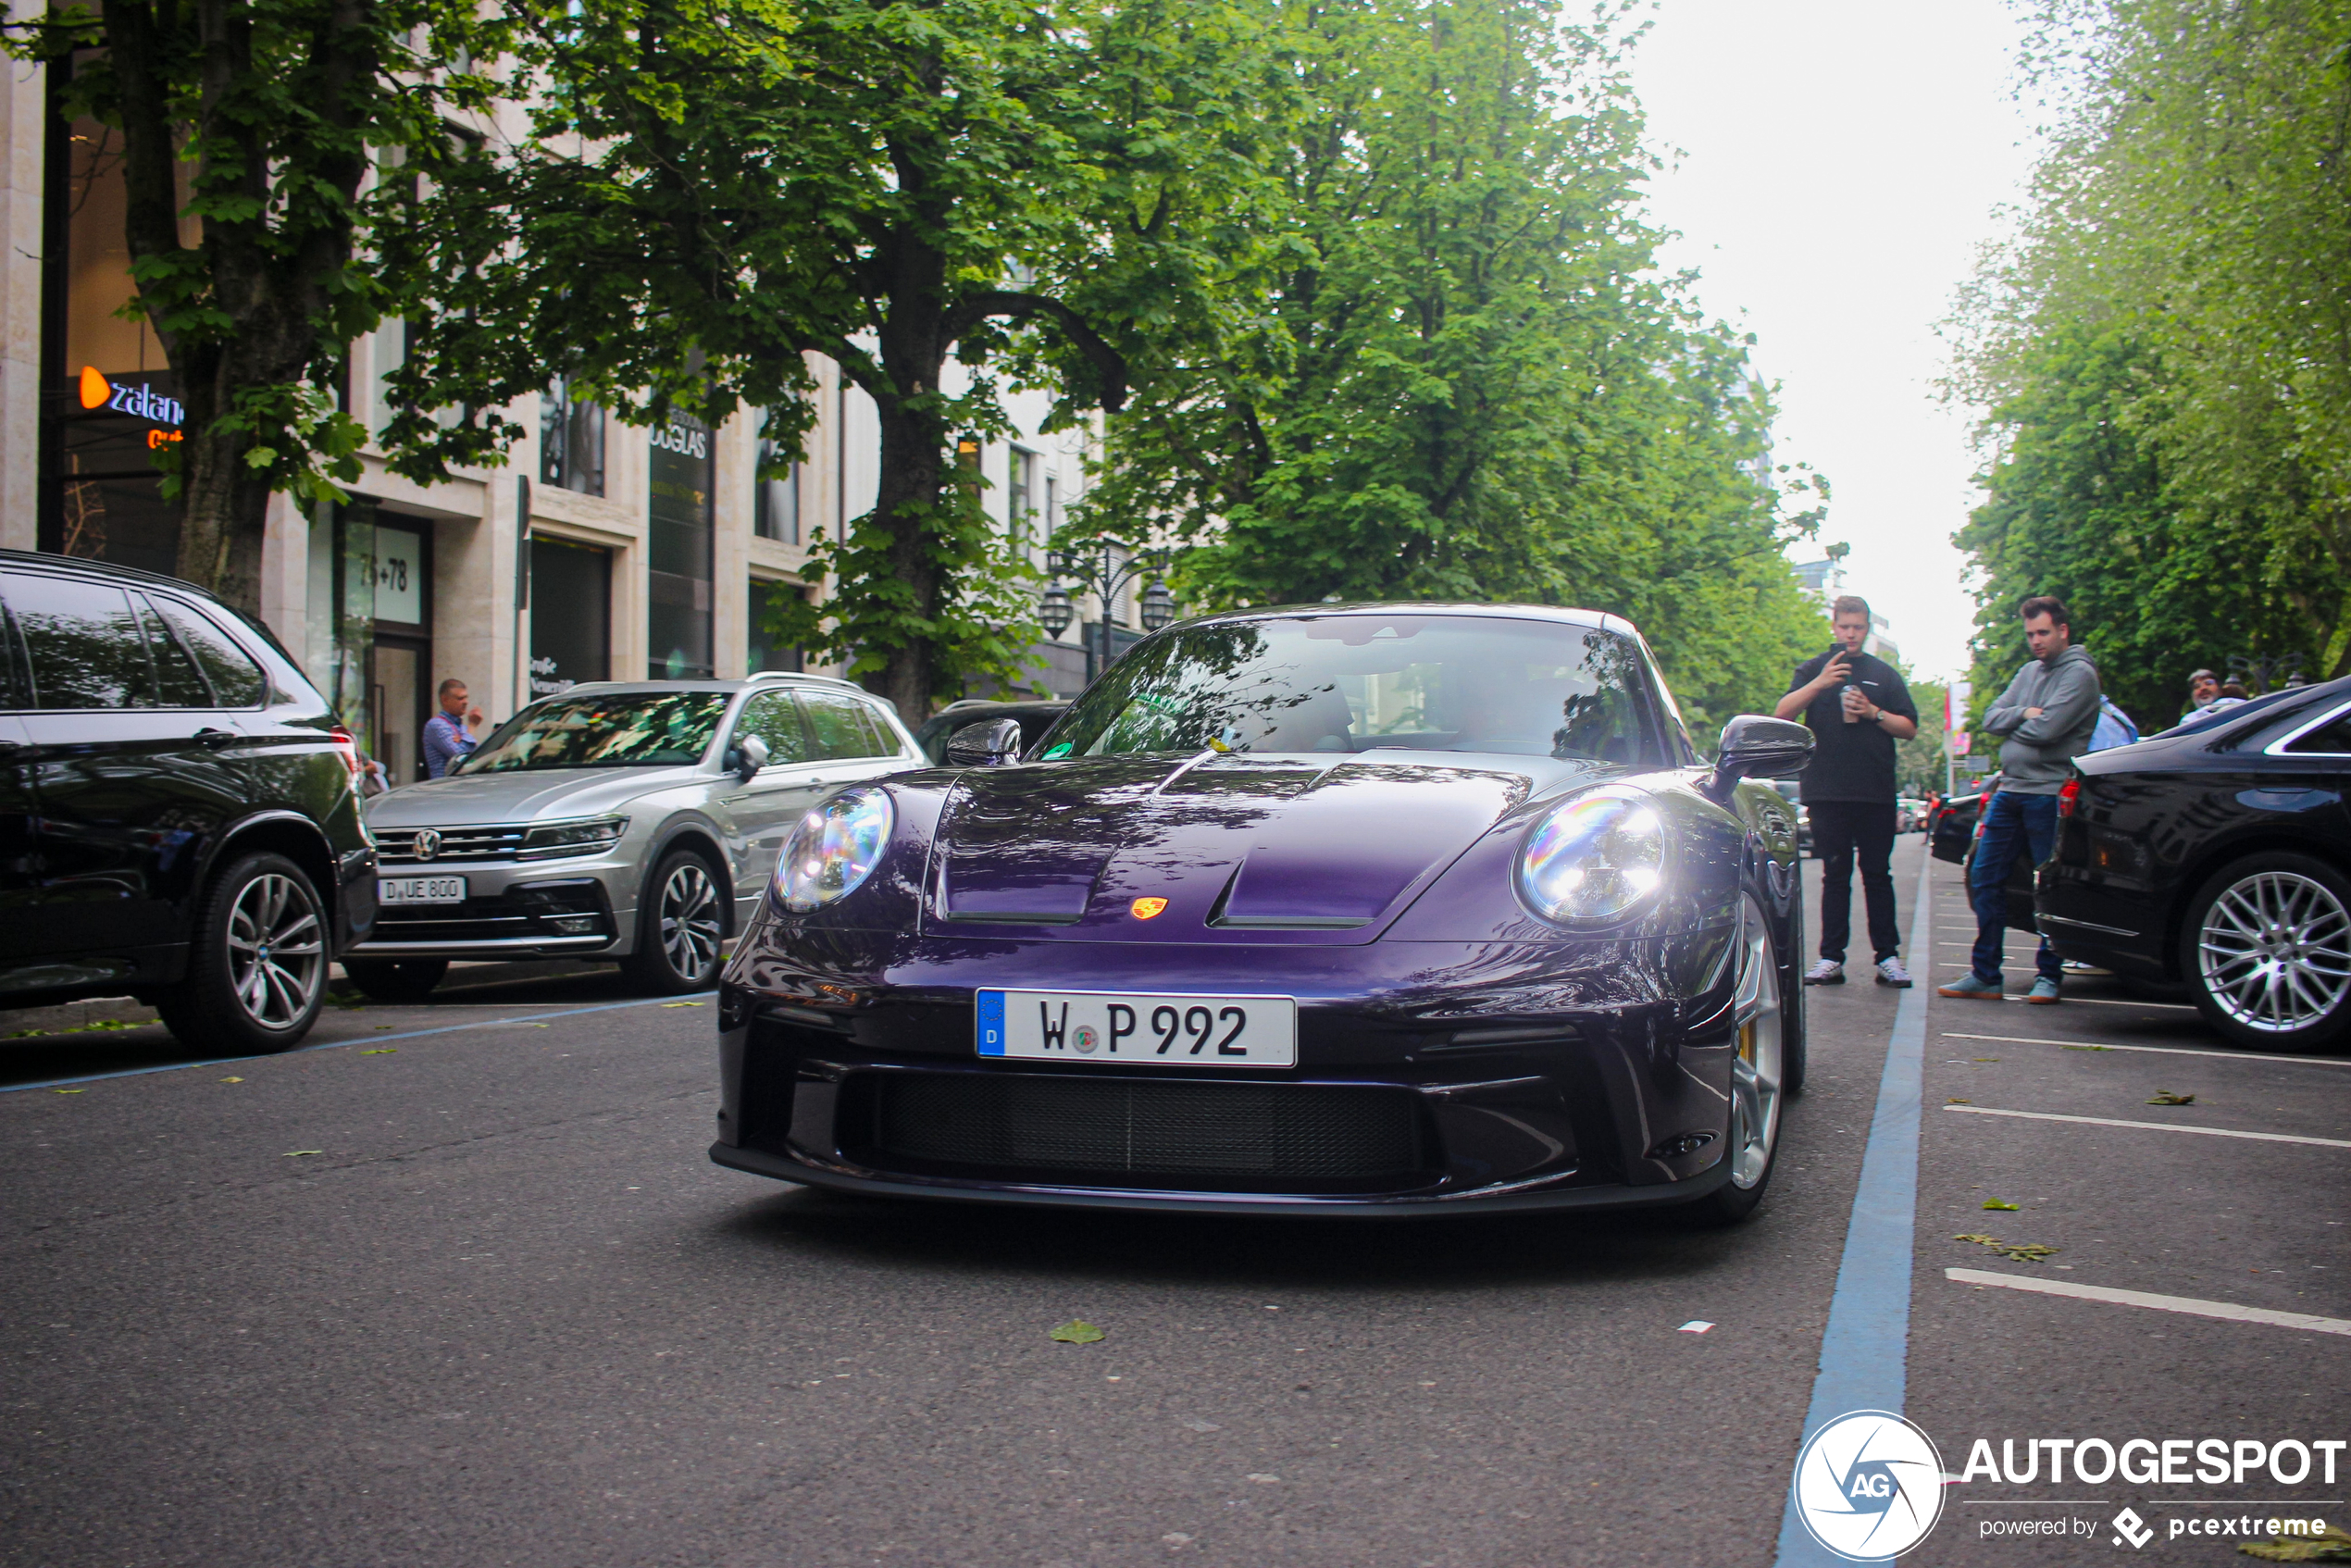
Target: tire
[[681, 925], [257, 958], [2266, 950], [1758, 1078], [395, 979]]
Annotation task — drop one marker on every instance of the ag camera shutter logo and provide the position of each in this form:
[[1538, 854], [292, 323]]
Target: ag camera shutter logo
[[1869, 1485]]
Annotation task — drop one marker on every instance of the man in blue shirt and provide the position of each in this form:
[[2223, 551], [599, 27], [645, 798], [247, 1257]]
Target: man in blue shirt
[[445, 737]]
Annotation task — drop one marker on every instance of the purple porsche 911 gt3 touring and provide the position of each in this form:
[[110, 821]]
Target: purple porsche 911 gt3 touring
[[1341, 909]]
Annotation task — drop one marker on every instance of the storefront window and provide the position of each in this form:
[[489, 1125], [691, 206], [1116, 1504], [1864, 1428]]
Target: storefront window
[[570, 615], [765, 651], [109, 401], [571, 441], [679, 550]]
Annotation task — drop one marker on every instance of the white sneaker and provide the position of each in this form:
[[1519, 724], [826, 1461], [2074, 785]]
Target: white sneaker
[[1891, 972], [1828, 972]]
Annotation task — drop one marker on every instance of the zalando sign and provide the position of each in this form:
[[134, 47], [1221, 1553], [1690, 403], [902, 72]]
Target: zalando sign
[[141, 401]]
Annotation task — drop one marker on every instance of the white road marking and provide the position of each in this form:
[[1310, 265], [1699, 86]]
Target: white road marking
[[2151, 1127], [2188, 1304], [2158, 1050]]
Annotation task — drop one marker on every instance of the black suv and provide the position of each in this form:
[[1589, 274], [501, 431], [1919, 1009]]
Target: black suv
[[179, 817]]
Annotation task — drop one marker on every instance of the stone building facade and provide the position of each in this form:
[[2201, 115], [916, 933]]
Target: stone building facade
[[600, 551]]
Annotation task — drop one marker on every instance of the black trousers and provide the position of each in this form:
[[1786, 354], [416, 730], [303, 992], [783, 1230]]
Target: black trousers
[[1843, 832]]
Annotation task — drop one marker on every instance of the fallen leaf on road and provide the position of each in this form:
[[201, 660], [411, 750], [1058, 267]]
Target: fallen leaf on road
[[2331, 1545], [1998, 1203], [1198, 1426], [1265, 1480], [292, 1152], [2086, 1047], [1077, 1331], [1959, 1103], [381, 1051], [2165, 1097], [232, 1080], [69, 1091], [2021, 1252], [1984, 1059], [685, 1005], [381, 1027]]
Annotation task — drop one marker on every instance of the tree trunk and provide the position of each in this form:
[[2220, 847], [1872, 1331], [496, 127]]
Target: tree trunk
[[906, 510], [223, 511]]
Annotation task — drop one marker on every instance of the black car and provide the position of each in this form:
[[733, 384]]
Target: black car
[[2217, 856], [1034, 718], [1356, 909], [178, 809]]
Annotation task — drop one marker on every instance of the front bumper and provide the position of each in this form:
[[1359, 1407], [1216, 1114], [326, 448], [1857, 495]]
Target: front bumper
[[531, 909], [1439, 1079]]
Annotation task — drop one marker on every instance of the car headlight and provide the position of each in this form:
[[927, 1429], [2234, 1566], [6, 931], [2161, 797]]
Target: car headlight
[[549, 840], [1596, 857], [834, 849]]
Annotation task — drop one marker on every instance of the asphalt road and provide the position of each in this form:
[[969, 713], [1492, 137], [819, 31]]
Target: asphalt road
[[475, 1296]]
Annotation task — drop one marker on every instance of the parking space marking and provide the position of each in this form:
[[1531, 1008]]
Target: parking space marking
[[2157, 1049], [2150, 1126], [323, 1045], [1865, 1348], [2230, 1311]]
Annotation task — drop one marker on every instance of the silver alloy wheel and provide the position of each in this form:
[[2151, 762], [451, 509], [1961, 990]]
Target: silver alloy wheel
[[1755, 1071], [2275, 951], [689, 927], [277, 954]]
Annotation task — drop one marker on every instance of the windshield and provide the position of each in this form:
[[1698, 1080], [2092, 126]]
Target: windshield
[[626, 729], [1359, 683]]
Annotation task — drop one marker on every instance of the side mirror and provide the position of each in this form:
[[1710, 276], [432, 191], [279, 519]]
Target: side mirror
[[1756, 747], [751, 756], [991, 744]]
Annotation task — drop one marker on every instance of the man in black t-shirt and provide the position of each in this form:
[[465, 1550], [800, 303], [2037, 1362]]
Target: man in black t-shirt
[[1857, 707]]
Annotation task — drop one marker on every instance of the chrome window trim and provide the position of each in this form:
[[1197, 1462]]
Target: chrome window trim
[[2276, 748]]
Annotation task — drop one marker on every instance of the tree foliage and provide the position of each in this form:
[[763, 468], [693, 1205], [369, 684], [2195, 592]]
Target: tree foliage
[[248, 129], [2163, 352], [1459, 374], [712, 190]]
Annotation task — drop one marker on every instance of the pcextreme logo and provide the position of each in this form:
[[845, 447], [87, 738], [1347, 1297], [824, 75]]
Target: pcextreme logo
[[1869, 1485], [141, 401]]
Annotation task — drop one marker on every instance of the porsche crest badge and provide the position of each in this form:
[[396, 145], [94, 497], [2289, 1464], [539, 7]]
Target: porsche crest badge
[[1145, 908]]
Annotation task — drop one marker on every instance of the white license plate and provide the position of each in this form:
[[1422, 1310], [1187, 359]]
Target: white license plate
[[1157, 1029], [420, 889]]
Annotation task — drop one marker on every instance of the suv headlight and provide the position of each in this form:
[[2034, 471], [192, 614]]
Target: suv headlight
[[549, 840], [834, 849], [1596, 857]]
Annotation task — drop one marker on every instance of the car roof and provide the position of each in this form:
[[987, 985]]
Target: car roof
[[1600, 620], [46, 560], [764, 678]]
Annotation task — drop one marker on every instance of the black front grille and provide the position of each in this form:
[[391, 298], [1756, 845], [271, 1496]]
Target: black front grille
[[1255, 1134], [540, 911]]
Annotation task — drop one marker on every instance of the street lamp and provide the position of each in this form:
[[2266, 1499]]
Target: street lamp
[[1104, 578]]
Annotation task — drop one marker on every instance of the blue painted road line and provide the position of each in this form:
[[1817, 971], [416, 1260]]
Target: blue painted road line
[[1865, 1351], [331, 1045]]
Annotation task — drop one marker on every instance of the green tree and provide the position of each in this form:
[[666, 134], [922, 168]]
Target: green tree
[[711, 192], [246, 129], [2162, 354], [1459, 376]]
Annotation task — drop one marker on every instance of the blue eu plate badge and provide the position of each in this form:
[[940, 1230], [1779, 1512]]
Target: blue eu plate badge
[[991, 1023]]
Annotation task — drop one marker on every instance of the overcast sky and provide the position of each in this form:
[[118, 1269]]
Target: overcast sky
[[1839, 162]]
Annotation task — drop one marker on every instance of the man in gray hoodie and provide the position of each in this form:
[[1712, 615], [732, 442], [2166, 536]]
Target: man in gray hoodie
[[2045, 720]]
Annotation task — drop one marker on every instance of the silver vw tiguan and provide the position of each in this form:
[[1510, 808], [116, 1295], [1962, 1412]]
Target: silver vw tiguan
[[633, 820]]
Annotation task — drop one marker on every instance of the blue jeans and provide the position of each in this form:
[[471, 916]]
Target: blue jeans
[[2011, 821]]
